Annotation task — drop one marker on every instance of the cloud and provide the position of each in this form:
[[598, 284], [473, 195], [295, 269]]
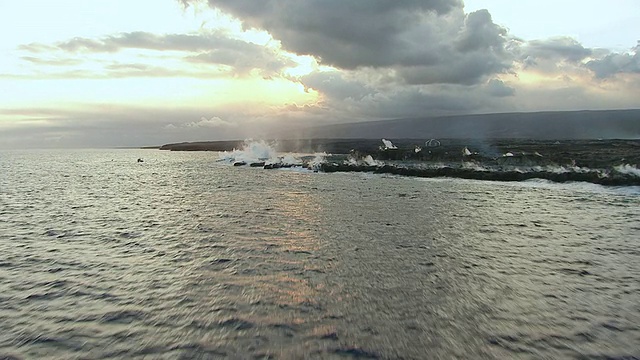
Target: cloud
[[209, 48], [244, 60], [351, 95], [341, 32], [557, 48], [498, 88], [141, 40], [480, 33], [566, 58], [111, 125], [374, 59], [469, 52], [52, 62], [616, 63], [420, 41], [114, 70], [214, 122], [336, 85]]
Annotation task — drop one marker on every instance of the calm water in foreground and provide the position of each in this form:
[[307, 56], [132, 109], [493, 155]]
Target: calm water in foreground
[[185, 257]]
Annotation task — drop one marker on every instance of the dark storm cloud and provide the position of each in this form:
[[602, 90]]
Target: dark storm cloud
[[476, 52], [422, 41], [328, 28], [616, 63]]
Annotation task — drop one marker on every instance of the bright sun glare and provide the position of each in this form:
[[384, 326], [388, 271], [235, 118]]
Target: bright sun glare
[[133, 76]]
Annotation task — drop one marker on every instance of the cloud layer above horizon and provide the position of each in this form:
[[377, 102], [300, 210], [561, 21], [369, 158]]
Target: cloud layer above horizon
[[241, 68]]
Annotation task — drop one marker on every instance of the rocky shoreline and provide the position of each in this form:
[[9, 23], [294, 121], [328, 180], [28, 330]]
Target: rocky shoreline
[[604, 162], [583, 153]]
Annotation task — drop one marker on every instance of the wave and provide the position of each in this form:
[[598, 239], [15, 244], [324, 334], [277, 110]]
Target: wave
[[508, 167], [252, 151], [263, 154], [628, 169], [596, 176]]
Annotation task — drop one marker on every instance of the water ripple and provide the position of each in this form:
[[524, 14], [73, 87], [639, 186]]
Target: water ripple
[[181, 257]]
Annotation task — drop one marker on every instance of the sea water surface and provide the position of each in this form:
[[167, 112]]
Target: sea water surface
[[184, 257]]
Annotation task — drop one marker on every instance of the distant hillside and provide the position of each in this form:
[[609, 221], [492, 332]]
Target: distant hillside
[[605, 124]]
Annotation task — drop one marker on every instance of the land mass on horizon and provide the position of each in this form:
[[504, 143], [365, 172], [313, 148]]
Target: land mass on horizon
[[547, 125], [550, 125]]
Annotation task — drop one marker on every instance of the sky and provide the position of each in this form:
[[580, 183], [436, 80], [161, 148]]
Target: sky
[[148, 72]]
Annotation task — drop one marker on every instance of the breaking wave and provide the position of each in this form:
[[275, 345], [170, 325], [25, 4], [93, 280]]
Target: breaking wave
[[508, 167], [252, 151], [263, 154], [628, 169]]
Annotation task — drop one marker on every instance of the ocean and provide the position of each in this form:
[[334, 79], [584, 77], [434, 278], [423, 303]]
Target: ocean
[[183, 256]]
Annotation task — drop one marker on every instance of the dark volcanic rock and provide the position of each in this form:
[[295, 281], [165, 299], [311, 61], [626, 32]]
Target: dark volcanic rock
[[594, 161], [586, 153], [593, 176]]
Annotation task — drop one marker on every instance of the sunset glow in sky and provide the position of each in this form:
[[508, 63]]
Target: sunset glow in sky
[[131, 73]]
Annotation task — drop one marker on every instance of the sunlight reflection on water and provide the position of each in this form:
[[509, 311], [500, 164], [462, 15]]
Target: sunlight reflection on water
[[181, 256]]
